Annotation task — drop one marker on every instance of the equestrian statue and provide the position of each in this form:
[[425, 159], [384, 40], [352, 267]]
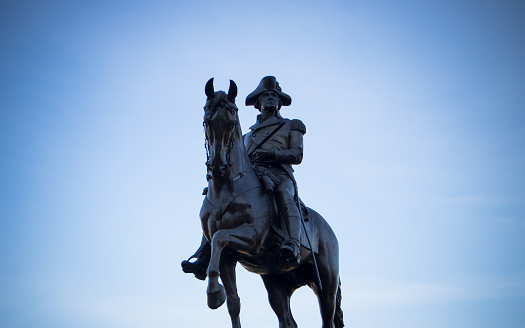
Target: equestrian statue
[[252, 214]]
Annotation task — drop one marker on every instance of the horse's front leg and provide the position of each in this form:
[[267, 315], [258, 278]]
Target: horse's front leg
[[229, 280], [242, 238]]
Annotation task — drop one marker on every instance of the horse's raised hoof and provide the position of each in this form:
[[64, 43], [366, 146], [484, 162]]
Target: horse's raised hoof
[[216, 298]]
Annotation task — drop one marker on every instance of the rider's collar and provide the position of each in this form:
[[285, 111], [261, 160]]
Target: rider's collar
[[261, 118], [267, 121]]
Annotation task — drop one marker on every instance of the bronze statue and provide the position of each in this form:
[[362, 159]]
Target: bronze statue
[[274, 156], [252, 214]]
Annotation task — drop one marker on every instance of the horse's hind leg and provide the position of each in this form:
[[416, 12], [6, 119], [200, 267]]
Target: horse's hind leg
[[279, 294], [329, 272], [327, 300], [228, 278]]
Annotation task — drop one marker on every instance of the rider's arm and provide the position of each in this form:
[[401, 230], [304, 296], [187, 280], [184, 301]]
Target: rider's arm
[[294, 154]]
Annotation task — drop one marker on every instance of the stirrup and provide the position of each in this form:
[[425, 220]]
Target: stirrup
[[198, 268], [290, 252]]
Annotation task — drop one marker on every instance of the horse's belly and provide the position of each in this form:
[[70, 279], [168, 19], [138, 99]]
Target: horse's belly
[[266, 261]]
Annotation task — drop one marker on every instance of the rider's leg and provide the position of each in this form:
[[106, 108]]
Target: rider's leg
[[285, 197], [198, 268]]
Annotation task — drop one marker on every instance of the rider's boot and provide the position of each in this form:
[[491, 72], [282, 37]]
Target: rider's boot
[[290, 250], [199, 267]]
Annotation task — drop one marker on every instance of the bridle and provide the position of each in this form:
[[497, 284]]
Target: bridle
[[231, 139], [220, 101]]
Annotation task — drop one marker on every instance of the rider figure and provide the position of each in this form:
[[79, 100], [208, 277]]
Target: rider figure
[[275, 154]]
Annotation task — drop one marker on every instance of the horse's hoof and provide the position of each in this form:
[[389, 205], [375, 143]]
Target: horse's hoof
[[216, 298]]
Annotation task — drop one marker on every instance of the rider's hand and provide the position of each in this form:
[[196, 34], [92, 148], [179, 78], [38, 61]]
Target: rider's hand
[[261, 156]]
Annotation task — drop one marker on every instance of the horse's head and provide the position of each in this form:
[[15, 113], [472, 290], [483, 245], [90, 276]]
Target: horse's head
[[221, 124]]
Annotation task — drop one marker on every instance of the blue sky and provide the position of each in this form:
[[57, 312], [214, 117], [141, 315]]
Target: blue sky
[[414, 155]]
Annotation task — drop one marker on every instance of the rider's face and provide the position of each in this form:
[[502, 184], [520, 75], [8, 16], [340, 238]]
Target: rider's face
[[269, 102]]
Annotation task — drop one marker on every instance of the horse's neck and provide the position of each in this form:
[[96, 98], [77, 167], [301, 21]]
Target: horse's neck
[[240, 164], [239, 157]]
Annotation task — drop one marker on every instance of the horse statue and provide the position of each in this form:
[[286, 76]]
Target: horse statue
[[241, 222]]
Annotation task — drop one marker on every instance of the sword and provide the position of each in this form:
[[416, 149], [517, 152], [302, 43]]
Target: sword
[[308, 237]]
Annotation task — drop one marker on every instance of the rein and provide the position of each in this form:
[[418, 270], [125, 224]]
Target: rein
[[228, 154], [241, 175]]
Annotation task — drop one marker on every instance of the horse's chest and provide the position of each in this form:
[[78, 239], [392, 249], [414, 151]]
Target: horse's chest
[[218, 217], [235, 217]]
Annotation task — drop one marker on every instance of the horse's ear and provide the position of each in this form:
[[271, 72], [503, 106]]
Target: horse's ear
[[232, 91], [208, 89]]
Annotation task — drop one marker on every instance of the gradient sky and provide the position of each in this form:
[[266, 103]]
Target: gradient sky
[[414, 153]]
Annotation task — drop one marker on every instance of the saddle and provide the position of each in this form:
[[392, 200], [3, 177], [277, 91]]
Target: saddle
[[280, 229], [269, 181]]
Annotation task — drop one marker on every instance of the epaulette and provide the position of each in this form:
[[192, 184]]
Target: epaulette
[[297, 125]]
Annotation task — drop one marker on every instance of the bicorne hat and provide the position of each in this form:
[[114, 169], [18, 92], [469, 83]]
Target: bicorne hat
[[268, 83]]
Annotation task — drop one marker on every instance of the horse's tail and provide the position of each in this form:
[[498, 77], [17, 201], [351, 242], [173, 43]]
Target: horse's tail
[[338, 317]]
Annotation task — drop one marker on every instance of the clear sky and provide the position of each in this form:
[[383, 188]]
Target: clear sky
[[414, 153]]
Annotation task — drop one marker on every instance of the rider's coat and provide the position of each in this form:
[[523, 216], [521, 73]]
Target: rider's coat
[[286, 143]]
